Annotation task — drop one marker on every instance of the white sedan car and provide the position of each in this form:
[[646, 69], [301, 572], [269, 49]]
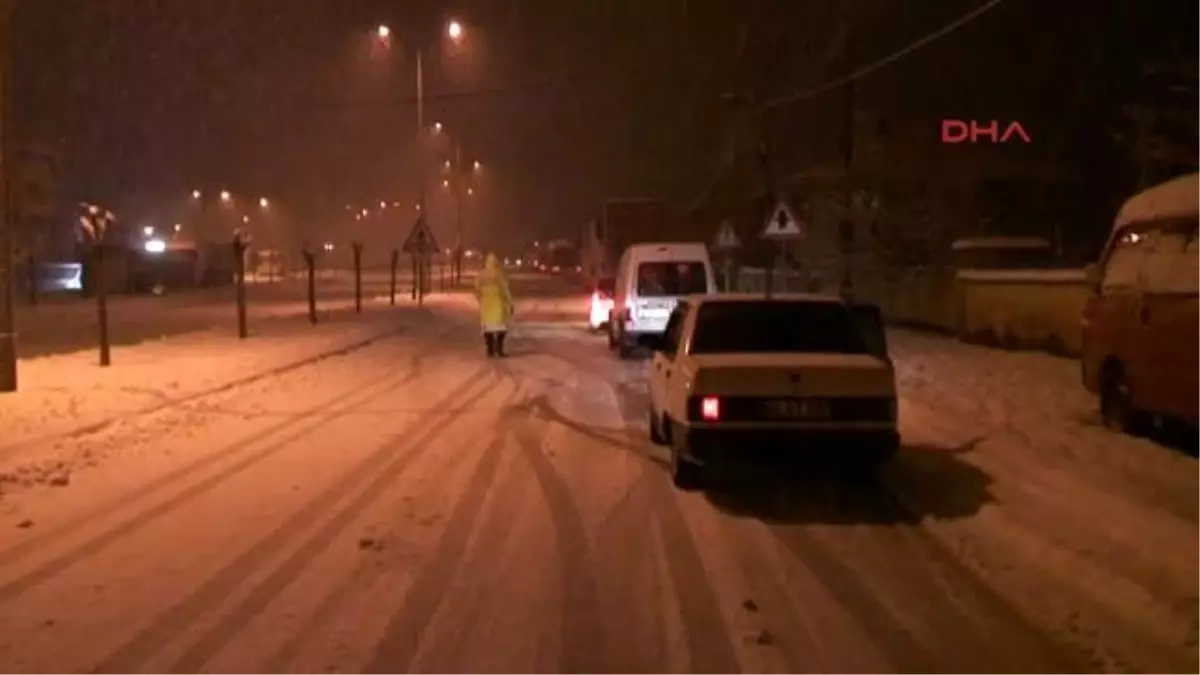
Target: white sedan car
[[739, 377]]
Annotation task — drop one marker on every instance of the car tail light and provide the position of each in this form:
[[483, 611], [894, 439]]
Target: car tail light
[[710, 409]]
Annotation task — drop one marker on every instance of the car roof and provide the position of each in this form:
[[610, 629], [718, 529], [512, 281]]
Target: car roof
[[706, 298]]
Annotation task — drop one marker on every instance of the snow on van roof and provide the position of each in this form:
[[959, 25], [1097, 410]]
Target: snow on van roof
[[999, 242], [1177, 197]]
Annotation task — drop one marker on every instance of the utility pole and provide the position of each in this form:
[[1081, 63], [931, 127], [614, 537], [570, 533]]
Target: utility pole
[[458, 215], [849, 234], [8, 330]]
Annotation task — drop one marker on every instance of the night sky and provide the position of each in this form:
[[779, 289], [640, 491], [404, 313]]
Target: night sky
[[565, 103]]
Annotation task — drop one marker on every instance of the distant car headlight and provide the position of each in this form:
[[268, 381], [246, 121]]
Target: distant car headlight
[[155, 246]]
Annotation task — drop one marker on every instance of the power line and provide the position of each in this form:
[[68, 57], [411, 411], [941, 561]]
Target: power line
[[890, 58]]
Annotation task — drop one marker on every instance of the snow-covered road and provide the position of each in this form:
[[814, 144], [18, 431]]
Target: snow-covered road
[[411, 506]]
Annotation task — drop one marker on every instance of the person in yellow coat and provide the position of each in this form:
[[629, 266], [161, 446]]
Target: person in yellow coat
[[495, 304]]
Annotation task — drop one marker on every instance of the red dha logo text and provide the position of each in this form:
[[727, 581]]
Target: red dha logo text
[[970, 131]]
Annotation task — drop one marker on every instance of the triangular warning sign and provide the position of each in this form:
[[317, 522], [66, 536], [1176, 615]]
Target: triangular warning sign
[[726, 238], [783, 224], [420, 240]]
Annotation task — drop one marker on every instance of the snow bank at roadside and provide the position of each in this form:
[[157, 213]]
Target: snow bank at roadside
[[69, 394]]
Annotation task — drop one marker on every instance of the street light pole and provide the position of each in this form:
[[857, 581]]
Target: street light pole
[[421, 128], [458, 207], [8, 337]]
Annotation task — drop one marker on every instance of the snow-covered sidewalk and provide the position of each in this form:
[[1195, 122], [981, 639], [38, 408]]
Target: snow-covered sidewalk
[[69, 394]]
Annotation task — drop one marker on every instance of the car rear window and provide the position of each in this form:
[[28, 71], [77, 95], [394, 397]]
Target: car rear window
[[776, 327], [675, 278]]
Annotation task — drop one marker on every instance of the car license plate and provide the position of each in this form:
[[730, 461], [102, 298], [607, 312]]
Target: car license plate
[[794, 409]]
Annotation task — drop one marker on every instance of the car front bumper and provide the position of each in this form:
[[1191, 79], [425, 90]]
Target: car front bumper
[[771, 445]]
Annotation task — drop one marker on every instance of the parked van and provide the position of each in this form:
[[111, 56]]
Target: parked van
[[1140, 325], [649, 282]]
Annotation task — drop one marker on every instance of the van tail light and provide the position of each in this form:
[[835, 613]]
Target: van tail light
[[710, 409]]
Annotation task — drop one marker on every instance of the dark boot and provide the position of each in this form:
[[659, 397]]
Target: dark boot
[[490, 339], [500, 343]]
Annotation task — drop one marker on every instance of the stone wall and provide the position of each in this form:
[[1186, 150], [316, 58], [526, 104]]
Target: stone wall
[[1011, 309]]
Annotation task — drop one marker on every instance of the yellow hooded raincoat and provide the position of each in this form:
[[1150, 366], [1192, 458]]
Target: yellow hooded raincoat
[[495, 301]]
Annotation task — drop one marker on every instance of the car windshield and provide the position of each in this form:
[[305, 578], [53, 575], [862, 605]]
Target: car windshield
[[669, 279], [772, 326]]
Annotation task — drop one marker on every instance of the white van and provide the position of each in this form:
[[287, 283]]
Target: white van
[[650, 280]]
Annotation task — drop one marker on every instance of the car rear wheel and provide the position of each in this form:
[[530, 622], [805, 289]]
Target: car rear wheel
[[685, 474], [656, 432], [621, 341]]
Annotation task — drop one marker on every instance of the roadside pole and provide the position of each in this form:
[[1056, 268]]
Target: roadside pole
[[102, 304], [395, 264], [8, 329], [240, 244], [95, 221], [416, 276], [310, 262], [357, 248]]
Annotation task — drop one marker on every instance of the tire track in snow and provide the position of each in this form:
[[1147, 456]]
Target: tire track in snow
[[287, 572], [583, 636], [6, 452], [955, 600], [625, 529], [708, 634], [365, 574], [402, 635], [295, 428], [55, 534], [383, 464]]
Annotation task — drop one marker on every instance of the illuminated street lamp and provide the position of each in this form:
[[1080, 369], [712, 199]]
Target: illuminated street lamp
[[383, 205], [263, 202], [245, 219], [148, 231], [470, 191], [196, 194], [446, 183], [178, 227], [454, 30], [383, 32], [447, 164], [437, 126], [225, 196]]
